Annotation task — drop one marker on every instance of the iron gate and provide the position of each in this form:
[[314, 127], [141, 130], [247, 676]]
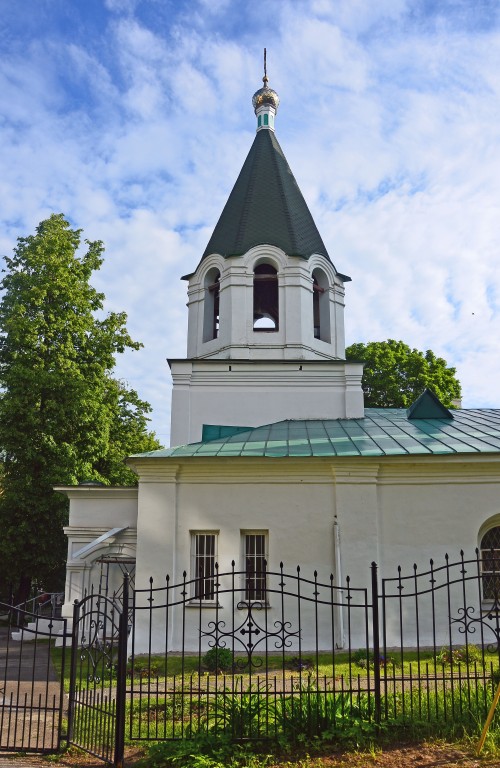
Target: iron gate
[[31, 693], [96, 711]]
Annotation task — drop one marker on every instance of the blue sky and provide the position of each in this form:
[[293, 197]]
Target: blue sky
[[133, 118]]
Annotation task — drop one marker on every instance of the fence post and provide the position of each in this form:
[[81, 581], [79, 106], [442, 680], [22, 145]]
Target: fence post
[[72, 674], [376, 643], [121, 675]]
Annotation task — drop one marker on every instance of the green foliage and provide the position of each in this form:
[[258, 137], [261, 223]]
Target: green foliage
[[366, 659], [144, 668], [470, 654], [218, 660], [127, 434], [63, 418], [313, 720], [362, 657], [395, 375], [300, 664], [450, 712], [207, 751], [239, 714], [322, 713]]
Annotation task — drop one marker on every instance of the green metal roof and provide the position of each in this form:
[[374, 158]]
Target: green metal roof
[[382, 432], [266, 206]]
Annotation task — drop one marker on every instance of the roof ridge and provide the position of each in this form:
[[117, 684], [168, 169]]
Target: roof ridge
[[288, 218]]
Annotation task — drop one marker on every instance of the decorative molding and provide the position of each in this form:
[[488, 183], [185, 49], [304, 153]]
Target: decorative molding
[[98, 491]]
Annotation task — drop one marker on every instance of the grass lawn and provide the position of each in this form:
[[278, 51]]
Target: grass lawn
[[356, 665], [176, 698]]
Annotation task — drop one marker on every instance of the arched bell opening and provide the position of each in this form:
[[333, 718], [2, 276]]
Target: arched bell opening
[[321, 306], [265, 298], [211, 307]]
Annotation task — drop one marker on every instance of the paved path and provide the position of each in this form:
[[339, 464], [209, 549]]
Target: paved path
[[19, 760], [15, 760], [29, 696]]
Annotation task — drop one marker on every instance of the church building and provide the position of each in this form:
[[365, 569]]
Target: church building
[[273, 457]]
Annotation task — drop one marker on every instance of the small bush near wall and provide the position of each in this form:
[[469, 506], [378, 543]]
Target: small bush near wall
[[218, 660]]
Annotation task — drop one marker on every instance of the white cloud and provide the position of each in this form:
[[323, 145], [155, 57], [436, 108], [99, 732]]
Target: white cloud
[[389, 119], [121, 6]]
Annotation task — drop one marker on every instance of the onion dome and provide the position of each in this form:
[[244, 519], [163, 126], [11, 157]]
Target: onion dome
[[265, 96], [265, 103]]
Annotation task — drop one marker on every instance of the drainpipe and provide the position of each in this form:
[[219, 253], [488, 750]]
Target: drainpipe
[[338, 582]]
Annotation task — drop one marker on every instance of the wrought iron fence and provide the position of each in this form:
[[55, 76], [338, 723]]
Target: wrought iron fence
[[247, 668], [313, 656], [308, 657], [31, 694]]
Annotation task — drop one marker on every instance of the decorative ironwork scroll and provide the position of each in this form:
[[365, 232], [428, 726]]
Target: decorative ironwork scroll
[[469, 623], [251, 634]]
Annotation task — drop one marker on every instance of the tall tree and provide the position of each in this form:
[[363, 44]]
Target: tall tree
[[63, 418], [395, 375]]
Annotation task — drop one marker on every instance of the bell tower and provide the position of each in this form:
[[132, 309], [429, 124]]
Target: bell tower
[[266, 307]]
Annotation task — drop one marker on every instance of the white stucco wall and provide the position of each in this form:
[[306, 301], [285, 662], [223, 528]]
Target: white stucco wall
[[244, 393], [93, 512], [335, 516], [400, 510]]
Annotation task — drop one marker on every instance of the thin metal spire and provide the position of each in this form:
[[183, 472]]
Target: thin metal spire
[[265, 79]]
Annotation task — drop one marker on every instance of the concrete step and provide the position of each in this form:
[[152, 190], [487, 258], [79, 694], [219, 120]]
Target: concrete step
[[41, 628]]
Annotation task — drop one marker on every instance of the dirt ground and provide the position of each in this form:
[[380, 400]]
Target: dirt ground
[[423, 755], [414, 756]]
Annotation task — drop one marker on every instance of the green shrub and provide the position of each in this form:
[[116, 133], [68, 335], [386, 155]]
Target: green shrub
[[470, 654], [218, 660], [300, 664], [145, 668], [366, 659]]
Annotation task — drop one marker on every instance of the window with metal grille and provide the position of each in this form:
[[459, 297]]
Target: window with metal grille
[[255, 554], [203, 563], [490, 564]]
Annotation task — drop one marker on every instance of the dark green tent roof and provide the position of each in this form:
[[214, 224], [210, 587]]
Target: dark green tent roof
[[266, 206]]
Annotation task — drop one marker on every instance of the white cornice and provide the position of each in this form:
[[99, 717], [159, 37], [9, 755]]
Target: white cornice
[[348, 470], [98, 492]]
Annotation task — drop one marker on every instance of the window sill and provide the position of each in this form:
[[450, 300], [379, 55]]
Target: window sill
[[489, 606], [259, 605], [195, 603]]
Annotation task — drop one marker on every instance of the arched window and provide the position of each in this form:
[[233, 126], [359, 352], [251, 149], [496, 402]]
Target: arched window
[[211, 308], [265, 298], [490, 564], [321, 306]]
